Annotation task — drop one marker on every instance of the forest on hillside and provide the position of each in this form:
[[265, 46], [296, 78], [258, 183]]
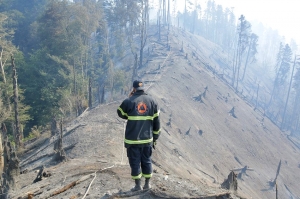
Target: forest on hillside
[[59, 57]]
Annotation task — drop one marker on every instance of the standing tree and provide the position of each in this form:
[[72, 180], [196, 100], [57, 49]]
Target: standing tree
[[209, 17], [282, 68], [252, 51], [185, 13], [168, 16], [289, 90], [244, 30], [220, 23], [6, 50], [67, 33], [143, 29], [229, 30], [296, 104], [18, 134], [195, 15], [7, 94]]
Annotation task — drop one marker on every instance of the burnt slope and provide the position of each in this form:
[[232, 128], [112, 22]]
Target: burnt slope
[[200, 142]]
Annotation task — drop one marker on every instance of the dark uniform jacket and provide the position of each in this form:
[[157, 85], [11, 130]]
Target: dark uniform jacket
[[142, 114]]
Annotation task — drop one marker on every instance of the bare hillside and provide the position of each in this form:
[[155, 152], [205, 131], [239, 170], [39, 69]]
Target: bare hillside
[[201, 141]]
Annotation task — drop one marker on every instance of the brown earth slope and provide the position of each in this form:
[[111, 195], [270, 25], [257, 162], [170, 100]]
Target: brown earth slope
[[200, 143]]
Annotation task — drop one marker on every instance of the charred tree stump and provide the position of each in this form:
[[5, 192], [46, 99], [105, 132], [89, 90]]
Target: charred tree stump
[[199, 98], [79, 106], [11, 170], [41, 174], [188, 132], [276, 191], [170, 121], [204, 93], [3, 188], [231, 112], [274, 182], [231, 182], [200, 132]]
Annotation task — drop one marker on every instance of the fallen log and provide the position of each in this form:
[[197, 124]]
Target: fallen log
[[34, 192], [72, 184], [38, 190], [68, 186]]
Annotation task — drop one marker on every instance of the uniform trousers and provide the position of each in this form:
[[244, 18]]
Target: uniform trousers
[[140, 161]]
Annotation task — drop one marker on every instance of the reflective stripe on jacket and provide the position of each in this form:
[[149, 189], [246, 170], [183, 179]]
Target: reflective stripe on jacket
[[142, 114]]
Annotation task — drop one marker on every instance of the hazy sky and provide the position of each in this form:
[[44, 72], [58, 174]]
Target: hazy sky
[[283, 15]]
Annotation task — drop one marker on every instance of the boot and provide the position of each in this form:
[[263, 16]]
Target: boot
[[137, 186], [147, 184]]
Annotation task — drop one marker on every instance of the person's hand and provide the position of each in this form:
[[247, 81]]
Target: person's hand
[[154, 144]]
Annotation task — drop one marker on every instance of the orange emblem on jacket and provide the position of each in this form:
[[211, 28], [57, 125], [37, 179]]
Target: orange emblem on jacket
[[141, 108]]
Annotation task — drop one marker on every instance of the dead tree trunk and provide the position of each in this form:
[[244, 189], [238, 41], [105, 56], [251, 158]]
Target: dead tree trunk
[[98, 94], [276, 191], [288, 96], [60, 154], [3, 137], [159, 31], [54, 129], [90, 93], [1, 155], [164, 11], [134, 73], [277, 173], [256, 104], [18, 134], [102, 95], [2, 63], [13, 169], [143, 36]]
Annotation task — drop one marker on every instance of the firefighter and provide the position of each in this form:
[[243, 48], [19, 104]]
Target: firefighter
[[142, 130]]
